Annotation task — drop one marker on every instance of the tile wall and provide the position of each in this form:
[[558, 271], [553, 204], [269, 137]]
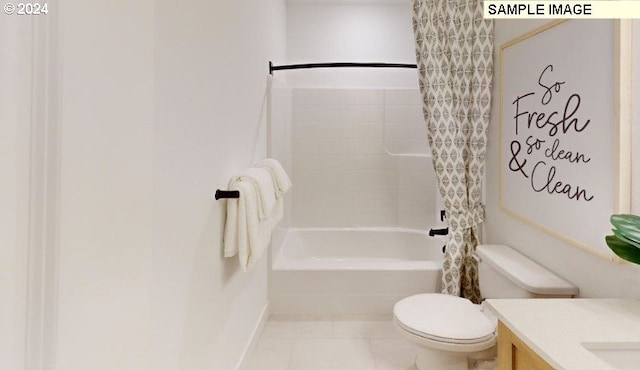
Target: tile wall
[[359, 158]]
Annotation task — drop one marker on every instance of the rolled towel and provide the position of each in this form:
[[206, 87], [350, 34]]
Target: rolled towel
[[262, 180], [281, 180]]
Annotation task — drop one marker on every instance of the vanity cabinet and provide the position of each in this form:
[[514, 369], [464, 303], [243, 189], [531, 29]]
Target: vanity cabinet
[[514, 354], [565, 334]]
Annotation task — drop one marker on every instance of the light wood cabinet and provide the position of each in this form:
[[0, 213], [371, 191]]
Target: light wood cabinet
[[514, 354]]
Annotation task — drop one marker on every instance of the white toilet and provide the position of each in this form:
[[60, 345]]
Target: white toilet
[[451, 330]]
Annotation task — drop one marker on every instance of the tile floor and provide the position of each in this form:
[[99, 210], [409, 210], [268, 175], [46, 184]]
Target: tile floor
[[332, 343]]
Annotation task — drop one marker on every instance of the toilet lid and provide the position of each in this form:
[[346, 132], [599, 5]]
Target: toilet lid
[[444, 318]]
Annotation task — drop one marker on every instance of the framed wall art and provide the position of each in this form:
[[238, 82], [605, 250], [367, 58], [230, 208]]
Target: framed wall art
[[565, 129]]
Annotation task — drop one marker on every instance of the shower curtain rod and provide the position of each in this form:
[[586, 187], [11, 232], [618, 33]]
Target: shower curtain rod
[[338, 65]]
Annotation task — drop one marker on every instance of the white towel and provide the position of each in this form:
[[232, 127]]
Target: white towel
[[266, 196], [245, 234], [281, 180], [233, 221]]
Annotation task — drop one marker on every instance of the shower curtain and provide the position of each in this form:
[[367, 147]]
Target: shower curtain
[[454, 50]]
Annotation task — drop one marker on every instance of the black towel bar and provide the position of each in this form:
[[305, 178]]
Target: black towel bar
[[227, 194]]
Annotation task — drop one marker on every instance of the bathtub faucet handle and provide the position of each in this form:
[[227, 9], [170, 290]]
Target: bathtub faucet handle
[[434, 232]]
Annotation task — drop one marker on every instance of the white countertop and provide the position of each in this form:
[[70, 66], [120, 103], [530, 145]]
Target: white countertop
[[556, 328]]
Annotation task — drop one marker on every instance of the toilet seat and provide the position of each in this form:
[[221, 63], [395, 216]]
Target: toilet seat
[[445, 321]]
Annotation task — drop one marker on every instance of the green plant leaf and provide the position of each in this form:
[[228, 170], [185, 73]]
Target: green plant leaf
[[625, 217], [622, 237], [628, 225], [630, 234], [623, 250]]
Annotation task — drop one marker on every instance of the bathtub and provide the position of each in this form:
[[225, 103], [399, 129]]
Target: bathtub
[[352, 271]]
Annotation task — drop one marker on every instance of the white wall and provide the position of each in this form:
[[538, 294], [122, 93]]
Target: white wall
[[336, 130], [105, 219], [279, 140], [635, 114], [210, 111], [15, 131], [161, 103], [595, 276], [343, 171], [350, 33]]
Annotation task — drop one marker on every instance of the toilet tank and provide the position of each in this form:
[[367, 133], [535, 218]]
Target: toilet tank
[[504, 272]]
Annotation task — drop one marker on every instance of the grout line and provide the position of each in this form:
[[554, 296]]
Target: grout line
[[291, 346]]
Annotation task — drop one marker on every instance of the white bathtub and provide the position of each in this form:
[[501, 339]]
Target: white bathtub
[[352, 271]]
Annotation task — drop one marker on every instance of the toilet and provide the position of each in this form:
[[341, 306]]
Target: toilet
[[451, 331]]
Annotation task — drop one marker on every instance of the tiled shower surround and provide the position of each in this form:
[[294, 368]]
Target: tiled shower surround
[[359, 159]]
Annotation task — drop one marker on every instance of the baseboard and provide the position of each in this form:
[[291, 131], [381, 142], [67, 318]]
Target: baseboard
[[255, 337]]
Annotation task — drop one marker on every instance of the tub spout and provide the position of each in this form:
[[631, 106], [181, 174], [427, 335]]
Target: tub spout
[[434, 232]]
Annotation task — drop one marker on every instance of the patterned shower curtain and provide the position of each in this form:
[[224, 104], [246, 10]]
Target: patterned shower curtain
[[454, 49]]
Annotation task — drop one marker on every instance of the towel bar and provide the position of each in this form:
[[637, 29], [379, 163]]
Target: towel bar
[[227, 194]]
